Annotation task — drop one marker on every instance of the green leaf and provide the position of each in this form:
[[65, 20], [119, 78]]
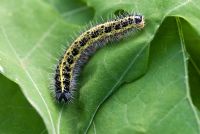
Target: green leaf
[[16, 114], [192, 40], [75, 12], [194, 84], [139, 85], [159, 101]]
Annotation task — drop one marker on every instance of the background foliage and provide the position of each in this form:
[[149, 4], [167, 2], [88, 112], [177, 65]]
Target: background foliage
[[148, 83]]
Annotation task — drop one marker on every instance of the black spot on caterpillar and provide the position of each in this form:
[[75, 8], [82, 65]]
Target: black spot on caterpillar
[[84, 46]]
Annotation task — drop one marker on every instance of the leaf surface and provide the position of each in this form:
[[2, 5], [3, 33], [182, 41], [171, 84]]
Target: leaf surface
[[140, 84]]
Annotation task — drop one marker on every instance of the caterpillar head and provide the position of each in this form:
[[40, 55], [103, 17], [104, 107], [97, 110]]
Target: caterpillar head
[[139, 21]]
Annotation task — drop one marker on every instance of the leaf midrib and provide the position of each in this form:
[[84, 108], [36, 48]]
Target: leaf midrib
[[185, 59], [29, 77]]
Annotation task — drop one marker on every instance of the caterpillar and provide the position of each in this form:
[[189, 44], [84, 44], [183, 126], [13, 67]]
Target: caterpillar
[[69, 65]]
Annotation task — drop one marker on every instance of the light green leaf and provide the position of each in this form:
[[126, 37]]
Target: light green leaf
[[159, 102], [122, 89]]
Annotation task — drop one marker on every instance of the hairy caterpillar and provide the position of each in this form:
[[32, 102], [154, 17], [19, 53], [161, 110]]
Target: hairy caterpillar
[[85, 45]]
